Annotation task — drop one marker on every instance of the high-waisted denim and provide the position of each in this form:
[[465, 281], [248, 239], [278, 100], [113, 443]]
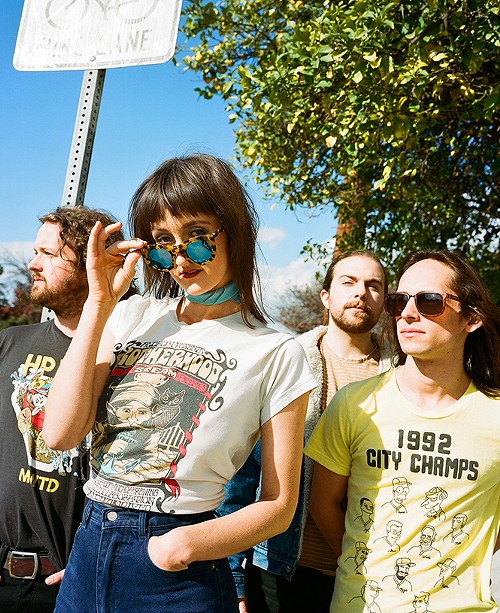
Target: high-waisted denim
[[110, 571]]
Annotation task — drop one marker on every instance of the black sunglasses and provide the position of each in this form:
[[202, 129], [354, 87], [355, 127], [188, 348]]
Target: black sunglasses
[[198, 249], [430, 304]]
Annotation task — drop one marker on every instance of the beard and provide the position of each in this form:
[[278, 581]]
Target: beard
[[66, 299], [354, 323]]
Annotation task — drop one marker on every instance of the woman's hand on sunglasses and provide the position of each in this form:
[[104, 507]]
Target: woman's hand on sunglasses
[[110, 270]]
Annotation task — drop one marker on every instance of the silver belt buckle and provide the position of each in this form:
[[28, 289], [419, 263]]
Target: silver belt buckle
[[25, 554]]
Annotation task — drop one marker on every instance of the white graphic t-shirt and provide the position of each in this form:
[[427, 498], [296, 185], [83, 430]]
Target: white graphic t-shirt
[[184, 404]]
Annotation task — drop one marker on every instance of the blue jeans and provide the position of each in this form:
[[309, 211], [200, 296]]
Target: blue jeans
[[110, 571]]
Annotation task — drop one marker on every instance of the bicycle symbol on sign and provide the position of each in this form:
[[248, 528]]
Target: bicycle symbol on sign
[[62, 14]]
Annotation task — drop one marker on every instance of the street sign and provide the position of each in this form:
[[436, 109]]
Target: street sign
[[95, 34]]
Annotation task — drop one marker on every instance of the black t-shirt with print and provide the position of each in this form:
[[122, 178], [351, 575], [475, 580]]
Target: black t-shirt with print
[[41, 490]]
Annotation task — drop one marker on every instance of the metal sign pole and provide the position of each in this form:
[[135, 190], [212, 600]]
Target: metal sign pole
[[63, 35], [80, 153], [83, 138]]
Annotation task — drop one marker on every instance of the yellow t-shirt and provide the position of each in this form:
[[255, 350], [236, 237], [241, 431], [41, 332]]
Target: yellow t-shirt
[[433, 480]]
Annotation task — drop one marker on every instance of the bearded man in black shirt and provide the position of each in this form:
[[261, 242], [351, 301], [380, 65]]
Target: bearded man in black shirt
[[41, 495]]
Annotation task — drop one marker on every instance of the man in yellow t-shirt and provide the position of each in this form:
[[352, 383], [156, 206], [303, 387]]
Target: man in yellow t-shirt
[[430, 426]]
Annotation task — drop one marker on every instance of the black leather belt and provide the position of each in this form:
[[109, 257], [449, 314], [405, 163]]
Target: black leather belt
[[28, 565]]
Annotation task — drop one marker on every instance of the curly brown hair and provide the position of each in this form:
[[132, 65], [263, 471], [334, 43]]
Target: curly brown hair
[[75, 224]]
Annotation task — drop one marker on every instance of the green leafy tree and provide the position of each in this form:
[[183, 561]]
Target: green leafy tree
[[16, 307], [386, 113]]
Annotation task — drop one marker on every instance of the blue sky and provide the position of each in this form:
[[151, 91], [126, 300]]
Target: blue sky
[[148, 113]]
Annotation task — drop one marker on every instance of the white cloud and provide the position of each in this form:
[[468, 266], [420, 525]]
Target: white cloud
[[22, 251], [271, 237], [277, 279]]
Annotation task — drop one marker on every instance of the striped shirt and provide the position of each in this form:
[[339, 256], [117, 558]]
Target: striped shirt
[[316, 553]]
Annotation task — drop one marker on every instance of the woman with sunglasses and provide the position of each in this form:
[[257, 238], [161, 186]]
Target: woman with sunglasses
[[176, 387]]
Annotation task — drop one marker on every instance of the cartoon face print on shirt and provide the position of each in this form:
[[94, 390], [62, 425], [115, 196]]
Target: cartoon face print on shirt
[[425, 548], [365, 518], [140, 408], [399, 581], [457, 534], [28, 401], [421, 603], [359, 558], [131, 405], [447, 574], [149, 413], [400, 491], [433, 500], [390, 541], [368, 595]]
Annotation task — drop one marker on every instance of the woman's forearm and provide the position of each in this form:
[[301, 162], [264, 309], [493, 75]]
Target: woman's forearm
[[72, 400], [281, 455], [221, 537]]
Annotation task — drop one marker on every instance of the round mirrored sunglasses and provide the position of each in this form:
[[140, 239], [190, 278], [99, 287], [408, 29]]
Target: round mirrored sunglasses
[[198, 250]]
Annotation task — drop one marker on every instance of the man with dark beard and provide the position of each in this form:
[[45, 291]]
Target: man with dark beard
[[41, 496], [295, 571]]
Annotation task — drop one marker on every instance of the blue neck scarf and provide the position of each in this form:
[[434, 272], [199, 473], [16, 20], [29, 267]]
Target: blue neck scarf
[[216, 296]]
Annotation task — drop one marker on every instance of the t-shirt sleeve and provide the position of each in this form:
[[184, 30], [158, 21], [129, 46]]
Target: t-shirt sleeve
[[113, 323], [329, 444], [286, 377], [125, 316]]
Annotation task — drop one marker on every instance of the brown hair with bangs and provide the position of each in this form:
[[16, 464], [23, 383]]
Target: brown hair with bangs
[[188, 186]]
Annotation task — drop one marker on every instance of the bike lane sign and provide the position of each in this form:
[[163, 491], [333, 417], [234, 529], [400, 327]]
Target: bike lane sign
[[88, 34]]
